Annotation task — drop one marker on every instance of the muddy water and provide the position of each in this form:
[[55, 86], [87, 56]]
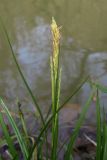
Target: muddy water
[[83, 48]]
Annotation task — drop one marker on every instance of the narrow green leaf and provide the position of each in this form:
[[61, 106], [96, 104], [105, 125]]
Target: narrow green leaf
[[21, 74], [15, 129], [98, 149], [105, 150], [7, 137], [21, 116], [103, 139], [77, 128]]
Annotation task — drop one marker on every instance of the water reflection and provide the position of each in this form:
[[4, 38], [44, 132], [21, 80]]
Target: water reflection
[[83, 46]]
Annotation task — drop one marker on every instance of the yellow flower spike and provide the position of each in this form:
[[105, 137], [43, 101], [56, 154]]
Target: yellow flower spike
[[55, 31], [56, 40]]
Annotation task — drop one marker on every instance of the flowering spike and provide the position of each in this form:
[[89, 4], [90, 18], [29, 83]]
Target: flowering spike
[[56, 40]]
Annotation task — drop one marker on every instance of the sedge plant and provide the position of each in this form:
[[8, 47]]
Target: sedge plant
[[31, 152], [55, 80]]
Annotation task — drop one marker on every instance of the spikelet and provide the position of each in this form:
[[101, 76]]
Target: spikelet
[[56, 40]]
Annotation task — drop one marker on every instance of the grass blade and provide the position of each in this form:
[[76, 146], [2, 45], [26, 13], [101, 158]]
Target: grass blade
[[15, 129], [7, 137], [103, 139], [99, 147], [105, 149], [77, 128], [21, 74], [21, 116]]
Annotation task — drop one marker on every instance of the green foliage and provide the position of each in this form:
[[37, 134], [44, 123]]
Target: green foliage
[[15, 129], [55, 79], [8, 137], [101, 150], [77, 128], [33, 150]]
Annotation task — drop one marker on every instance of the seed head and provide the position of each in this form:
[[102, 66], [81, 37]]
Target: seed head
[[56, 40]]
